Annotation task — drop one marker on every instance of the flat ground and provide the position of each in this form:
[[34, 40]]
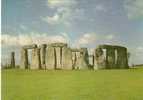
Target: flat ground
[[72, 85]]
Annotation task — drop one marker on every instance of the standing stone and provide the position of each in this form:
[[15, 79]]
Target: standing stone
[[115, 57], [122, 60], [43, 55], [24, 59], [50, 58], [66, 58], [32, 46], [95, 66], [12, 59], [58, 57], [110, 54], [82, 59], [125, 53], [85, 56], [36, 62], [74, 59], [77, 60], [100, 60], [91, 60]]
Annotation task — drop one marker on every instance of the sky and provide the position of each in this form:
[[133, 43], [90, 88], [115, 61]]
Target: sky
[[80, 23]]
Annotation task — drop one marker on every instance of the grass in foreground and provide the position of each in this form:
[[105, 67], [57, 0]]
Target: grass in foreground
[[72, 85]]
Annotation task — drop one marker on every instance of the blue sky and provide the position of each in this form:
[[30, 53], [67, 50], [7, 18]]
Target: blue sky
[[80, 23]]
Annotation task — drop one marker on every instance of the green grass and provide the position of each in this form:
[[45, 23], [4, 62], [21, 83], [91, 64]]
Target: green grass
[[72, 85]]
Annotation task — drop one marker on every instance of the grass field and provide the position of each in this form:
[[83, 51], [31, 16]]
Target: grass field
[[72, 85]]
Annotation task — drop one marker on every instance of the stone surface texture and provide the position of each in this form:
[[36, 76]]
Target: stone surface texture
[[60, 56]]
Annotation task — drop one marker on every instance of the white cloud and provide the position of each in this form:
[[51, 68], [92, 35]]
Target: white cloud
[[86, 39], [37, 38], [78, 14], [9, 40], [134, 8], [20, 40], [90, 38], [65, 13], [23, 27], [100, 8], [61, 16], [136, 55], [59, 3], [52, 19], [110, 37], [66, 36], [139, 49]]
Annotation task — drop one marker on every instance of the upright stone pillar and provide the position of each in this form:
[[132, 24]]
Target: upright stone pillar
[[12, 59], [50, 58], [122, 60], [66, 58], [116, 56], [77, 60], [85, 56], [58, 57], [43, 55], [110, 58], [100, 60], [125, 53], [82, 60], [74, 58], [91, 61], [24, 59], [82, 63], [36, 62]]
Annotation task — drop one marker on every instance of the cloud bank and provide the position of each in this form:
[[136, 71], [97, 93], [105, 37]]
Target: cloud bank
[[20, 40], [86, 39], [134, 9]]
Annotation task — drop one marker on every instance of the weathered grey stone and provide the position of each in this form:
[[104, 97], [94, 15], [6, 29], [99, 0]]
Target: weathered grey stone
[[66, 58], [50, 58], [82, 60], [58, 45], [100, 60], [43, 55], [85, 55], [116, 57], [36, 62], [74, 58], [58, 58], [76, 50], [30, 46], [77, 60], [110, 58], [122, 60], [91, 60], [24, 59], [12, 59], [42, 46], [80, 63]]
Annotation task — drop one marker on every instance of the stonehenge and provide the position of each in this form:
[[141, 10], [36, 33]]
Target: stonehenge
[[24, 59], [81, 60], [67, 58], [43, 55], [50, 58], [12, 60], [109, 57], [36, 61], [60, 56]]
